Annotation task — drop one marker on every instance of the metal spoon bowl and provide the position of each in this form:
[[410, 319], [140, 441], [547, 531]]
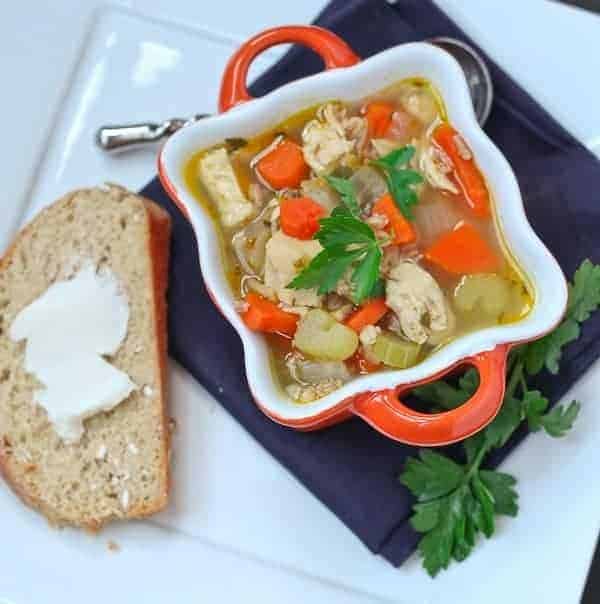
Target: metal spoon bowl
[[476, 71], [124, 137]]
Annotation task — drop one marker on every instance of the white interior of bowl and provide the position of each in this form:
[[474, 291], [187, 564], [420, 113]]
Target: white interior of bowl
[[354, 83]]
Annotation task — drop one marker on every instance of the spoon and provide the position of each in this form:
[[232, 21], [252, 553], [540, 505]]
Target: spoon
[[124, 137], [476, 72]]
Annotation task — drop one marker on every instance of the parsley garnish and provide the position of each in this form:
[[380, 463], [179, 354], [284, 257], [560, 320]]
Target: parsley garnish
[[346, 190], [400, 179], [456, 502], [348, 244]]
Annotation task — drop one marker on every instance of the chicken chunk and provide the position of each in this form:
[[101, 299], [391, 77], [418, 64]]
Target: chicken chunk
[[418, 302], [285, 258], [218, 178], [368, 335], [331, 136], [437, 168]]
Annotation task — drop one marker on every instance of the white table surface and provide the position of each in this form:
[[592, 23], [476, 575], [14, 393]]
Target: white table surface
[[39, 50]]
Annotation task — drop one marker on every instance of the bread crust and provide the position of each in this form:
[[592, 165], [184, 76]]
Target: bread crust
[[158, 243]]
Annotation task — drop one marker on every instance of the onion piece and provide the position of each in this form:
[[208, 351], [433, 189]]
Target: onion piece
[[251, 283], [369, 185], [306, 372], [434, 216], [318, 190], [250, 242]]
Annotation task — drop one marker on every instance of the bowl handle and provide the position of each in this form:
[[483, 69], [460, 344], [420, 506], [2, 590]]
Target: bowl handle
[[332, 49], [384, 410]]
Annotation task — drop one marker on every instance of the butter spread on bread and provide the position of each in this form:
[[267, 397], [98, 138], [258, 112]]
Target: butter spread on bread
[[67, 330]]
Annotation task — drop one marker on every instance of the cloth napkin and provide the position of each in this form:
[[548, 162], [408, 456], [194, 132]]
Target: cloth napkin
[[351, 468]]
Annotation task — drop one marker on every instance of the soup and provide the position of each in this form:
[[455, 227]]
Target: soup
[[358, 237]]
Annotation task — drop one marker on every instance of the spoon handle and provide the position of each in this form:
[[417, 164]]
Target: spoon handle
[[123, 137]]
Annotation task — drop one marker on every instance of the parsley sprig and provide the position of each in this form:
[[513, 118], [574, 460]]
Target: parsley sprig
[[348, 244], [400, 179], [456, 502]]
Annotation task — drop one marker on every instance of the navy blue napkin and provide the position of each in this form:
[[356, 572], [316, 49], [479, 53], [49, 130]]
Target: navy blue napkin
[[351, 468]]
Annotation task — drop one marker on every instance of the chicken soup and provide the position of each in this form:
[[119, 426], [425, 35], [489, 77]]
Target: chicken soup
[[358, 237]]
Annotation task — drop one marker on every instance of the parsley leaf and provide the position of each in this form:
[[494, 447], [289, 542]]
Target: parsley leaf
[[366, 274], [432, 475], [441, 394], [346, 190], [559, 420], [378, 290], [400, 179], [501, 486], [547, 351], [438, 544], [505, 423], [426, 515], [584, 298], [343, 229], [485, 512], [326, 269], [469, 381], [397, 157], [348, 244], [584, 293], [535, 406], [445, 396], [474, 445]]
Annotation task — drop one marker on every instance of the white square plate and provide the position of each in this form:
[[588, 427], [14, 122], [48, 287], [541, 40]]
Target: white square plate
[[240, 527]]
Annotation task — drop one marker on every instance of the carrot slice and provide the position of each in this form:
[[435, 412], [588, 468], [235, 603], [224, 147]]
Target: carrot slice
[[466, 171], [379, 118], [284, 167], [463, 251], [403, 230], [368, 314], [299, 217], [264, 315]]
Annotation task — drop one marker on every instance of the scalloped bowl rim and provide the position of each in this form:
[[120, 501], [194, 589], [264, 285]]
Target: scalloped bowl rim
[[416, 59]]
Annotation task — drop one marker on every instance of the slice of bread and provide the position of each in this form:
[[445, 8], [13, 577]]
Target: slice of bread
[[119, 469]]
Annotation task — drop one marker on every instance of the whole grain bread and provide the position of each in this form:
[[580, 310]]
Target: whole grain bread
[[120, 468]]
